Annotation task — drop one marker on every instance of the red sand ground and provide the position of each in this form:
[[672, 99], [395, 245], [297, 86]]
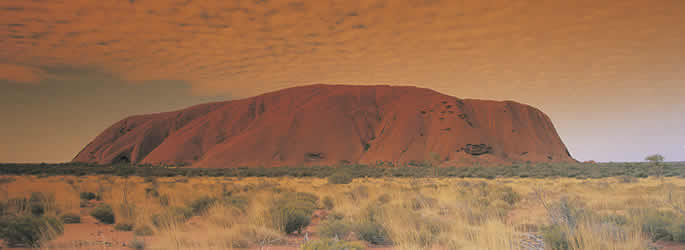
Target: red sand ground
[[333, 124]]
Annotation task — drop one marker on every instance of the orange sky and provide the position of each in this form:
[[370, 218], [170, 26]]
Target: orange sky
[[609, 73]]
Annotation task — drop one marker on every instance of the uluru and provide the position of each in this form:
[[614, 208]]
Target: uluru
[[334, 124]]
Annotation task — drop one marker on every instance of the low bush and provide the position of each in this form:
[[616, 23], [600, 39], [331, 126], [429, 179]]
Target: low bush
[[421, 201], [70, 218], [200, 205], [662, 225], [183, 213], [123, 227], [328, 203], [384, 198], [104, 214], [626, 179], [143, 230], [526, 170], [37, 202], [333, 228], [656, 224], [3, 208], [137, 244], [615, 219], [239, 202], [340, 177], [87, 196], [151, 191], [373, 233], [329, 244], [164, 200], [555, 238], [292, 211], [28, 230], [150, 179], [173, 215], [507, 194], [37, 209]]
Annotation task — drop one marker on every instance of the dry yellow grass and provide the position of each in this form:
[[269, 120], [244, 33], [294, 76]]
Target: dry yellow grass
[[442, 213]]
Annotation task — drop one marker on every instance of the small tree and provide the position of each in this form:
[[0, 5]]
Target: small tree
[[657, 160]]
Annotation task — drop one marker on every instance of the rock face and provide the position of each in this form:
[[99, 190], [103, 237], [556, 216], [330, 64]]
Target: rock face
[[333, 124]]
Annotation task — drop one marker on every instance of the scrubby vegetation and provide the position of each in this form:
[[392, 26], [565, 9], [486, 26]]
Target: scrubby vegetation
[[348, 172], [663, 225], [123, 227], [340, 177], [104, 214], [622, 212], [27, 221], [87, 196], [143, 231], [70, 218], [28, 230], [292, 212]]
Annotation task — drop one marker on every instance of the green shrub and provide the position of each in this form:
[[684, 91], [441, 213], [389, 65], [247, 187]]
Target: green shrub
[[183, 213], [3, 208], [164, 200], [123, 227], [333, 228], [677, 231], [151, 191], [104, 214], [137, 244], [421, 201], [71, 218], [36, 202], [157, 220], [555, 238], [87, 196], [37, 209], [507, 194], [292, 219], [292, 212], [328, 203], [150, 179], [335, 216], [627, 179], [661, 225], [526, 169], [340, 177], [358, 193], [384, 198], [143, 230], [656, 224], [373, 233], [328, 244], [28, 230], [615, 219], [200, 205], [236, 201], [178, 214]]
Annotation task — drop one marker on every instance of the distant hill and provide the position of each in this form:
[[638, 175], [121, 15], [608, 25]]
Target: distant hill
[[333, 124]]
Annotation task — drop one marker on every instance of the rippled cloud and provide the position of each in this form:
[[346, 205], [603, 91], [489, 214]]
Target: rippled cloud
[[237, 45]]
